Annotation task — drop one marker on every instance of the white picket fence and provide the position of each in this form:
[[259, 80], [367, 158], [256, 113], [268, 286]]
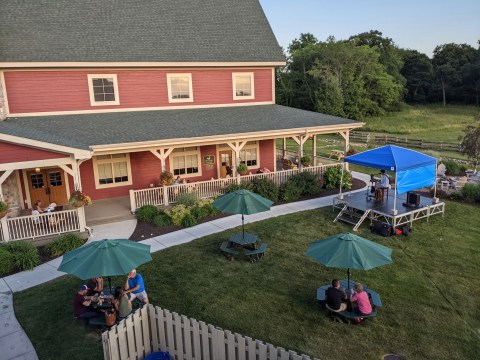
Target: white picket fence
[[35, 226], [153, 329], [166, 195]]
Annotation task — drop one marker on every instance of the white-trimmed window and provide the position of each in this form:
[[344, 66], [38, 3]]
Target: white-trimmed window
[[179, 88], [112, 170], [103, 89], [186, 162], [243, 88], [249, 154]]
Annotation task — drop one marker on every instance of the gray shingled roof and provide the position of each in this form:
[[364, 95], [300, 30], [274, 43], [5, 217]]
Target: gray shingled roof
[[82, 131], [133, 31]]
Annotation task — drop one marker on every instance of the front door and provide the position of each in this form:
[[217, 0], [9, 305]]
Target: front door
[[225, 161], [48, 186]]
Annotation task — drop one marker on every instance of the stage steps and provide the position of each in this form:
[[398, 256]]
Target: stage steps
[[351, 216]]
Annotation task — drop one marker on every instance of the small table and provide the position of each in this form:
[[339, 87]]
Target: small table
[[244, 239]]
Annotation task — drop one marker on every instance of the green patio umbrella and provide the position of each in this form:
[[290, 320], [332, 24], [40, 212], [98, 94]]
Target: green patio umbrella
[[105, 258], [242, 202], [349, 251]]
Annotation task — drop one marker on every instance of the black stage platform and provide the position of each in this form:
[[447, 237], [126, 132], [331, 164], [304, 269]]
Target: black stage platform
[[358, 206]]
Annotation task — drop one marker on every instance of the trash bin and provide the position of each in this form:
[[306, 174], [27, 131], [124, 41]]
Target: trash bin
[[158, 355]]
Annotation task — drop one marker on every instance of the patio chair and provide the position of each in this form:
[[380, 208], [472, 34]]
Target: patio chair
[[36, 217]]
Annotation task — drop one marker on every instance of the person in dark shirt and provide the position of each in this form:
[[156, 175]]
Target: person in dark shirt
[[334, 297], [95, 286], [81, 304]]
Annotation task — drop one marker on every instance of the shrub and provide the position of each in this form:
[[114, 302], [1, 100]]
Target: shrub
[[289, 191], [235, 187], [308, 183], [25, 254], [471, 192], [6, 261], [452, 168], [351, 151], [187, 199], [199, 212], [147, 213], [189, 220], [242, 167], [3, 206], [177, 213], [306, 160], [63, 244], [162, 219], [266, 188], [332, 176], [212, 210]]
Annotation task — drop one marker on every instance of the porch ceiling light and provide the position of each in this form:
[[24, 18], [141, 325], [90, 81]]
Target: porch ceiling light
[[37, 169]]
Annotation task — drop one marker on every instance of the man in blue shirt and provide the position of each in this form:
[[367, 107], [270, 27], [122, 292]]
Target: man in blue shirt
[[135, 288]]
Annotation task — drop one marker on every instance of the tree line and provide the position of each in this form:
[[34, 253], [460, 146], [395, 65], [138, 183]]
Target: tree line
[[368, 75]]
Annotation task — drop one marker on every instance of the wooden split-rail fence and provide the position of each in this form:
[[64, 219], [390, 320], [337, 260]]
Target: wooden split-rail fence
[[152, 329]]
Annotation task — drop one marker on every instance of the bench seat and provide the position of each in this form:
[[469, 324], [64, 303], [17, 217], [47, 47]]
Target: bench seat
[[97, 321], [229, 252], [257, 253]]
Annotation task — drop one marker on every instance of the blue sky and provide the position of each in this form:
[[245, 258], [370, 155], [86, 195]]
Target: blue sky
[[412, 24]]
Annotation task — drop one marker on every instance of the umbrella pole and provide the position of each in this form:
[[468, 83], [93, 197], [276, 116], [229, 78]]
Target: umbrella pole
[[243, 228], [109, 286]]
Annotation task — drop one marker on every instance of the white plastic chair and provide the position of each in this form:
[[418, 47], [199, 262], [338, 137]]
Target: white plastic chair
[[36, 217]]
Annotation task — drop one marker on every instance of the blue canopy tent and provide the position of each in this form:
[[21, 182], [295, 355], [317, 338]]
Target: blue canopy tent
[[413, 169]]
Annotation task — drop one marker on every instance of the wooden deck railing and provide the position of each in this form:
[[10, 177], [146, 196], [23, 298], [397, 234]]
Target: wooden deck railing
[[166, 195], [153, 329], [34, 226]]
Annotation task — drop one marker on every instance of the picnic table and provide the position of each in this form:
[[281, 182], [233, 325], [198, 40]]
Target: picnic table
[[246, 242], [244, 239], [374, 296], [340, 154]]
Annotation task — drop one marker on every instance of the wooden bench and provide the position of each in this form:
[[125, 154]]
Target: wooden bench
[[97, 321], [347, 315], [230, 253], [257, 253]]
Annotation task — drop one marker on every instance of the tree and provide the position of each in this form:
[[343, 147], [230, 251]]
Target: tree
[[470, 145], [418, 72]]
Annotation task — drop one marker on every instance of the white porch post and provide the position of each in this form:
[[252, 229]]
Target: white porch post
[[300, 140], [74, 172], [162, 154], [346, 136], [5, 232], [314, 150], [284, 155], [237, 146]]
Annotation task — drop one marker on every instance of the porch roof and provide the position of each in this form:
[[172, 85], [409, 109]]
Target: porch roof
[[86, 130]]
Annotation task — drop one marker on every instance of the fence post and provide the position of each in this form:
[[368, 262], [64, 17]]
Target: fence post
[[165, 195], [5, 232]]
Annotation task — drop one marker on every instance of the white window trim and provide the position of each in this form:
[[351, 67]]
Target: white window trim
[[169, 86], [252, 78], [92, 94], [185, 153], [95, 162], [253, 146]]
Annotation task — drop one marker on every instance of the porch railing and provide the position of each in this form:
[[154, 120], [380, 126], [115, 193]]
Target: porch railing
[[166, 195], [34, 226]]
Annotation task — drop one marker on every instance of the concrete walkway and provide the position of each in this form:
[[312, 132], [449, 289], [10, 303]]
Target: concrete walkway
[[14, 343]]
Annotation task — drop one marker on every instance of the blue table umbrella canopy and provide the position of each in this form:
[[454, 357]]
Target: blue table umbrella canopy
[[105, 258], [349, 251], [242, 202]]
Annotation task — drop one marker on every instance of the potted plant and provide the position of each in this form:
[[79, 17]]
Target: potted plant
[[79, 199], [3, 209], [242, 169], [166, 178], [305, 160]]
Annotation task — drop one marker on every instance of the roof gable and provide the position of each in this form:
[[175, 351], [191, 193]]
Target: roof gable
[[136, 31]]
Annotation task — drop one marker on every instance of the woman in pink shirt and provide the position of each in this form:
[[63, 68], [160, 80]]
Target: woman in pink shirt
[[361, 297]]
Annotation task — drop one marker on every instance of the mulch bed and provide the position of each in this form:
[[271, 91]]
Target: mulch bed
[[145, 230]]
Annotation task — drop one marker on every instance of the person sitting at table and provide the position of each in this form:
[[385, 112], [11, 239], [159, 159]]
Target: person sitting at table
[[135, 288], [334, 296], [384, 180], [38, 206], [81, 304], [95, 286], [363, 302], [122, 304]]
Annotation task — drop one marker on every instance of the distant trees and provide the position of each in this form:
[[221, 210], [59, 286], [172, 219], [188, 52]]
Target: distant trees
[[470, 144], [369, 75]]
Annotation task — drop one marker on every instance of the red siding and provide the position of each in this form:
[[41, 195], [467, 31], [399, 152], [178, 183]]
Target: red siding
[[267, 155], [51, 91], [14, 153]]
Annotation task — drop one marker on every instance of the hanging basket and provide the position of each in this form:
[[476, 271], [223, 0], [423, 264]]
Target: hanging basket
[[78, 204], [3, 213]]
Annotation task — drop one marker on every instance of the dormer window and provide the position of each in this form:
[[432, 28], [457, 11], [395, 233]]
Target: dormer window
[[179, 88], [103, 90], [243, 88]]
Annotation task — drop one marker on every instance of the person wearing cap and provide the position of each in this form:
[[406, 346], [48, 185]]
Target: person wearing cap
[[81, 304], [135, 288]]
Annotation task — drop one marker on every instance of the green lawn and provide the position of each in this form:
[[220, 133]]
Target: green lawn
[[430, 292]]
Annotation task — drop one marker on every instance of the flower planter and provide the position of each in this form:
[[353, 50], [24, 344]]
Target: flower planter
[[243, 172], [3, 213], [78, 204]]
